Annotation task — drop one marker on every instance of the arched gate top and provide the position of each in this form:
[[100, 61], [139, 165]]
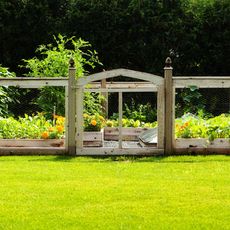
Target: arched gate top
[[155, 79]]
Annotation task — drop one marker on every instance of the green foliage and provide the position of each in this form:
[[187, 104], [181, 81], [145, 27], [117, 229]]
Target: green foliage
[[142, 112], [190, 100], [7, 94], [190, 126], [31, 127], [25, 127], [4, 72], [131, 34], [54, 59], [93, 122], [93, 103], [131, 123], [54, 62]]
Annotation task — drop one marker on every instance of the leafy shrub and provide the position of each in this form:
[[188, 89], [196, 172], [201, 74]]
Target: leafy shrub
[[141, 112], [190, 101], [54, 62], [4, 72], [7, 94]]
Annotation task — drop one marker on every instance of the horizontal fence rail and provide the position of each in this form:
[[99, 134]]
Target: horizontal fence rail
[[121, 87], [202, 82], [29, 82]]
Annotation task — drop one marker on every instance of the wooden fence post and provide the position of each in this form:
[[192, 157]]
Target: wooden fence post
[[71, 110], [161, 116], [169, 107], [105, 95], [79, 118]]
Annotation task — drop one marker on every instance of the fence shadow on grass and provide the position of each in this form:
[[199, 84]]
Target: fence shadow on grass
[[135, 159]]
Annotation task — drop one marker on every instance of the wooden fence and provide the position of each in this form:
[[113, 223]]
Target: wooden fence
[[74, 90]]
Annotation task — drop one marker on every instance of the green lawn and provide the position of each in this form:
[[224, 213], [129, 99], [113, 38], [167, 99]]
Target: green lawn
[[86, 193]]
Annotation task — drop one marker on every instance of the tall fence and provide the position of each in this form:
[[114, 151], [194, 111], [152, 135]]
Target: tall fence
[[33, 102], [64, 96], [208, 94]]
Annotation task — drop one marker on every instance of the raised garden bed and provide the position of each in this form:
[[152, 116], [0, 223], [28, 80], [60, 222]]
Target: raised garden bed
[[93, 138], [202, 143], [128, 134], [32, 142]]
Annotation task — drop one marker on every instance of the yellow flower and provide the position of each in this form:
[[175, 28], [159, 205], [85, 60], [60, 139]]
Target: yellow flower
[[93, 122], [85, 115], [60, 120], [101, 118]]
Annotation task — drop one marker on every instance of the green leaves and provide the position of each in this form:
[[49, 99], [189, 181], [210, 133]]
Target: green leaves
[[27, 127], [190, 126], [53, 61]]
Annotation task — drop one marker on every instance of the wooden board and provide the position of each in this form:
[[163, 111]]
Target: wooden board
[[202, 143], [128, 134]]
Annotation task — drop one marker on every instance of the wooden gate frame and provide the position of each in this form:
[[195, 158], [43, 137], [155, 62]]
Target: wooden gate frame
[[76, 90]]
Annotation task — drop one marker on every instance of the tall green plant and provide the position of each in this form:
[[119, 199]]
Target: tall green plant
[[7, 94], [53, 61], [190, 100]]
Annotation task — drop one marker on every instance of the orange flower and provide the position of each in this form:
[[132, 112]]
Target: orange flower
[[60, 128], [93, 122], [186, 124], [45, 135]]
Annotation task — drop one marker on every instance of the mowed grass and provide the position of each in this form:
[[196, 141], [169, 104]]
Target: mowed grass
[[86, 193]]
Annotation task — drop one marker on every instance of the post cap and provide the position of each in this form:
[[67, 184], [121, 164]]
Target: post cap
[[168, 62], [71, 63]]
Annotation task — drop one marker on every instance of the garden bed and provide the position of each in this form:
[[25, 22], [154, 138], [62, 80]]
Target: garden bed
[[128, 133], [32, 142], [93, 138], [202, 143]]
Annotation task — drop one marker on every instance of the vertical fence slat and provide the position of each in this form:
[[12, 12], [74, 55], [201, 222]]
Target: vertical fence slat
[[169, 107], [79, 118], [120, 118], [71, 118], [160, 116], [66, 119], [105, 95]]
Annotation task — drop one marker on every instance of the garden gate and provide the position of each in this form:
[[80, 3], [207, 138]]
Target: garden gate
[[149, 83]]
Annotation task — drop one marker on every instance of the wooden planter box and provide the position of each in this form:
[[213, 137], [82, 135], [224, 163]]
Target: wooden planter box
[[32, 142], [93, 138], [128, 134], [202, 143]]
